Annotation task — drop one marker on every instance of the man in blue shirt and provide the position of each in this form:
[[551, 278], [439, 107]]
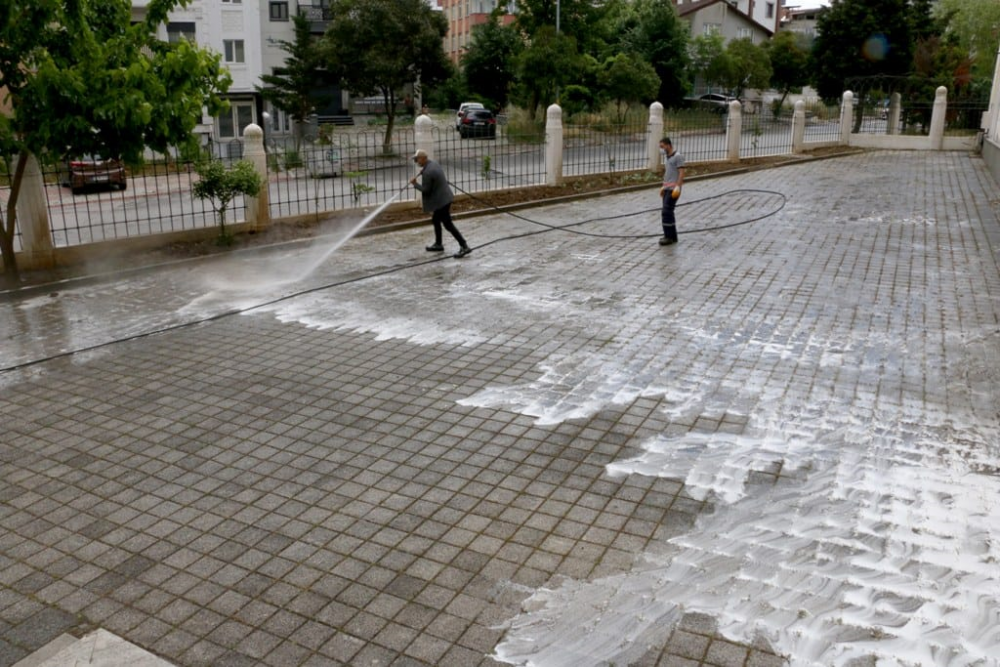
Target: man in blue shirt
[[670, 191]]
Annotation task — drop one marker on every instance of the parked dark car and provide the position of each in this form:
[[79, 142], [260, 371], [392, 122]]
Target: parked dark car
[[462, 109], [478, 123], [716, 102], [88, 173]]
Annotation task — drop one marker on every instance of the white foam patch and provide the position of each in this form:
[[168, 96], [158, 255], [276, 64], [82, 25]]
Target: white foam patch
[[889, 549], [572, 388], [323, 312]]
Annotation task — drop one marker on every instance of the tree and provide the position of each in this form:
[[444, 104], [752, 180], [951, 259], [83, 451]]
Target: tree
[[789, 58], [81, 78], [292, 89], [627, 79], [220, 186], [652, 29], [856, 38], [489, 61], [550, 61], [749, 66], [576, 18], [976, 25], [381, 46], [710, 60]]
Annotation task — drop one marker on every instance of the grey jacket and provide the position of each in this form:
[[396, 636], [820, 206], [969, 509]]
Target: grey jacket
[[434, 187]]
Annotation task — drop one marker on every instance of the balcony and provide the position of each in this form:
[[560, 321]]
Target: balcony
[[318, 14]]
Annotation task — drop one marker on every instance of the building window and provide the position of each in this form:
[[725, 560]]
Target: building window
[[712, 28], [742, 33], [233, 49], [279, 10], [175, 31], [770, 10], [233, 122], [232, 2]]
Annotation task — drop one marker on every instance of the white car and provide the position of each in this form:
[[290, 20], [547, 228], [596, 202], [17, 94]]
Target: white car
[[462, 108]]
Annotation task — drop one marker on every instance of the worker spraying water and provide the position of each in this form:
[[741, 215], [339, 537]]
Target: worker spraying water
[[437, 198]]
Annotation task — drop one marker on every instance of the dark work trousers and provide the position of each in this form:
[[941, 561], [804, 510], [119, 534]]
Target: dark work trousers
[[442, 216], [667, 216]]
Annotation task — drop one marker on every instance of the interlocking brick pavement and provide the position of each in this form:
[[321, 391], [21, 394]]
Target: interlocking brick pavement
[[387, 471]]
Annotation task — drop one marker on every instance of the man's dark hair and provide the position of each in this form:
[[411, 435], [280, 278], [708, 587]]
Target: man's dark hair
[[666, 140]]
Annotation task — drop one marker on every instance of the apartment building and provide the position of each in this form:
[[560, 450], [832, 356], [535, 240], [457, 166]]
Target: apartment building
[[233, 29], [247, 33], [763, 13], [463, 16]]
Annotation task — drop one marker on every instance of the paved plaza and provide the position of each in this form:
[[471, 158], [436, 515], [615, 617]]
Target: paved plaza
[[774, 443]]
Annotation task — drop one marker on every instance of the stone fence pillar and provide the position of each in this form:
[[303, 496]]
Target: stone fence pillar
[[799, 127], [553, 146], [895, 110], [423, 139], [258, 211], [33, 219], [937, 118], [655, 133], [734, 130], [846, 118]]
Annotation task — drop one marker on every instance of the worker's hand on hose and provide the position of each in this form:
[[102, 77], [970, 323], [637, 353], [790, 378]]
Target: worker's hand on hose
[[413, 181]]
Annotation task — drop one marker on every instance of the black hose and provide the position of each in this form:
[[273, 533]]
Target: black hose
[[546, 227]]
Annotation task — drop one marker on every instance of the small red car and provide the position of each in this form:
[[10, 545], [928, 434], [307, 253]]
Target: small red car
[[88, 173]]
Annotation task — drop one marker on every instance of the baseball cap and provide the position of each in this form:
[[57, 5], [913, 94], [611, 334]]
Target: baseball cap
[[420, 153]]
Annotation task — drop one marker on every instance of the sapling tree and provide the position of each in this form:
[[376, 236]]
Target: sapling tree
[[221, 186], [81, 78]]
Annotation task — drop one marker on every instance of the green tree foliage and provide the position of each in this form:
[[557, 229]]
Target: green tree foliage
[[489, 61], [81, 78], [710, 60], [292, 88], [577, 18], [749, 66], [858, 38], [626, 79], [652, 29], [549, 61], [976, 26], [377, 47], [789, 56], [220, 186]]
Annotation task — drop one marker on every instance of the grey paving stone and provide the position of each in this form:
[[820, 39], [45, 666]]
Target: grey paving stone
[[319, 497]]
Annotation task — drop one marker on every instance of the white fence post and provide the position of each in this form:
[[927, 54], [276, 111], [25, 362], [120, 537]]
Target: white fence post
[[734, 130], [846, 118], [33, 218], [655, 134], [895, 110], [991, 120], [423, 139], [258, 213], [553, 145], [937, 118], [799, 127]]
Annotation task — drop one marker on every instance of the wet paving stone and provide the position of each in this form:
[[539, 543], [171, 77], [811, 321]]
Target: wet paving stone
[[567, 448]]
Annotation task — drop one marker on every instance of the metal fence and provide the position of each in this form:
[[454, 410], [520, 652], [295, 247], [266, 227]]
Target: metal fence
[[155, 199], [347, 170], [765, 134], [822, 124], [342, 171], [698, 133], [509, 159], [589, 149]]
